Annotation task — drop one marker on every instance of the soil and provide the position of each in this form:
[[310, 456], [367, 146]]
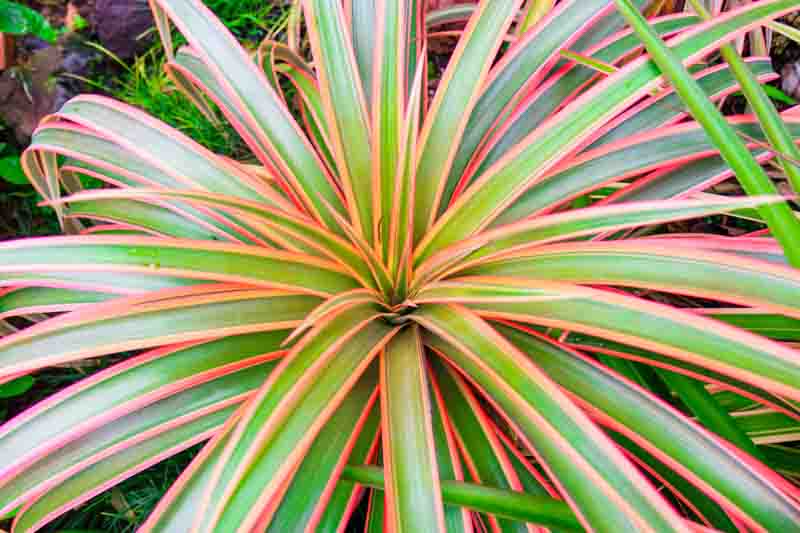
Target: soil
[[44, 76]]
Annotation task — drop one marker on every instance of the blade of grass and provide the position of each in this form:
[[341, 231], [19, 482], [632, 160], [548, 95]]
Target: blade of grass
[[752, 177]]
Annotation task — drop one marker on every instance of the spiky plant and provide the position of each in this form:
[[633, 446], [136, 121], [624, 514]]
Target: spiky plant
[[455, 315]]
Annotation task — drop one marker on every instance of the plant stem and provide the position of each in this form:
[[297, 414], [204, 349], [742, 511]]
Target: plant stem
[[780, 218], [504, 503], [771, 123]]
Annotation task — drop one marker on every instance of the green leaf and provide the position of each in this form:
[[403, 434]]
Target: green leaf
[[610, 349], [115, 393], [514, 239], [362, 15], [700, 503], [389, 135], [623, 318], [18, 19], [751, 175], [184, 499], [11, 171], [485, 453], [116, 468], [487, 198], [288, 412], [376, 513], [659, 265], [185, 258], [778, 95], [666, 430], [693, 393], [165, 318], [16, 387], [266, 123], [414, 497], [770, 120], [509, 504], [571, 446], [447, 452], [550, 96], [59, 460], [345, 109], [455, 98], [517, 71], [321, 466]]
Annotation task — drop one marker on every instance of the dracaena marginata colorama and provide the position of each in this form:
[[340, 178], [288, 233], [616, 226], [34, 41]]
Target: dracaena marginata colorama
[[449, 310]]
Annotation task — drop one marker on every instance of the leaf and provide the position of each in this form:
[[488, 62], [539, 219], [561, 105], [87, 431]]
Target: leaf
[[447, 453], [777, 94], [345, 109], [317, 478], [11, 171], [256, 111], [515, 240], [455, 98], [287, 413], [413, 495], [147, 321], [18, 19], [116, 468], [546, 146], [17, 387], [657, 264], [669, 434], [485, 456], [173, 258], [75, 426], [509, 504], [623, 318], [544, 416], [748, 171]]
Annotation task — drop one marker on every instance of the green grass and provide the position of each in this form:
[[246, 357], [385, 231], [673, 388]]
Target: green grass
[[145, 85], [251, 19], [122, 510]]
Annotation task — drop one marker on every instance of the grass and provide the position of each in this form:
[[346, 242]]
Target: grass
[[145, 85], [251, 20], [123, 509]]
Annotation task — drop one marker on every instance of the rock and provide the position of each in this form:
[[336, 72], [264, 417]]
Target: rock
[[36, 87], [791, 79], [26, 92], [31, 43], [120, 23], [76, 60]]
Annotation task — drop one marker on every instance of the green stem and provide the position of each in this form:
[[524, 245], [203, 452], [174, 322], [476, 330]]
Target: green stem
[[771, 123], [705, 407], [536, 10], [779, 217], [518, 506]]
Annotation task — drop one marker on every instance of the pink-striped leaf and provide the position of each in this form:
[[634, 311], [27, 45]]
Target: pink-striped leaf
[[759, 495], [543, 414], [413, 494], [288, 412]]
